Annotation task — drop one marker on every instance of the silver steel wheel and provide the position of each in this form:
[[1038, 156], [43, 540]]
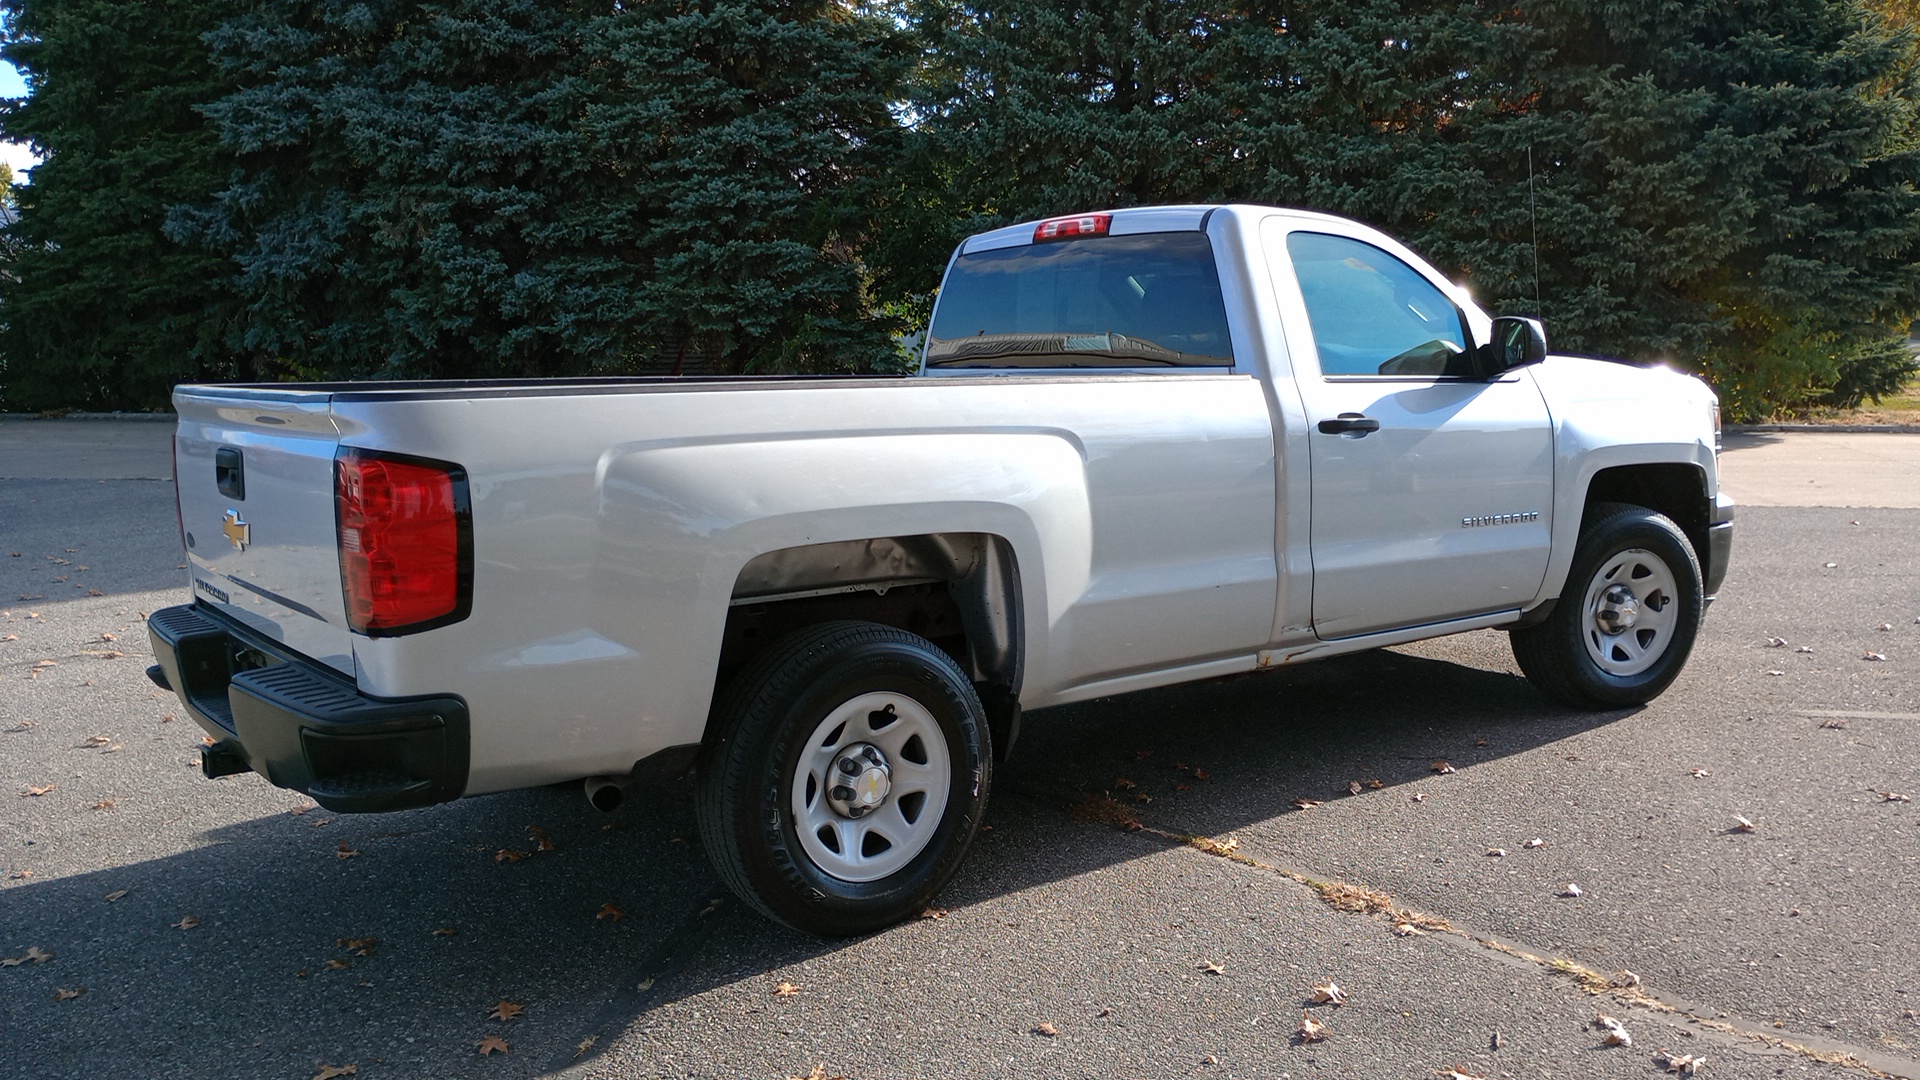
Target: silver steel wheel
[[1630, 612], [871, 786]]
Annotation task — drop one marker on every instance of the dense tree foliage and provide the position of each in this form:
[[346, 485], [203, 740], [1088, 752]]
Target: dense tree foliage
[[98, 309], [525, 188], [391, 187]]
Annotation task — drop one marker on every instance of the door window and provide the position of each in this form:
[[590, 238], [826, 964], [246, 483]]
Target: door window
[[1373, 314]]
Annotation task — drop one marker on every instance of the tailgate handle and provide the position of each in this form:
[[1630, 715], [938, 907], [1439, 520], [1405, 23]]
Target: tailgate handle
[[230, 472]]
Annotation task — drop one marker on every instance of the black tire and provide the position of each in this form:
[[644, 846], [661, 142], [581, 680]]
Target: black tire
[[826, 881], [1625, 622]]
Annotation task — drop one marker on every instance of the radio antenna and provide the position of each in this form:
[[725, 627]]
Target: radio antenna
[[1533, 218]]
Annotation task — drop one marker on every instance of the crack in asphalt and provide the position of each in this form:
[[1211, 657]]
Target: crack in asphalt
[[643, 983], [1363, 900]]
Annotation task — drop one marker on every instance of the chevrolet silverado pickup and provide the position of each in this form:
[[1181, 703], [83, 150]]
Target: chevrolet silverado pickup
[[1143, 447]]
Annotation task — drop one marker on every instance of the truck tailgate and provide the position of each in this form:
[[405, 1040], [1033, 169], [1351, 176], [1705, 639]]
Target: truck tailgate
[[255, 482]]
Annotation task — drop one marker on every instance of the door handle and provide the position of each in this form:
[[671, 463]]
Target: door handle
[[1349, 423]]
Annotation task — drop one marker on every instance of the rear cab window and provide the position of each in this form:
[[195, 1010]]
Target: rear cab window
[[1142, 300]]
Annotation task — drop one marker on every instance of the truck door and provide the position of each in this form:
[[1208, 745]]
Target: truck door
[[1432, 489]]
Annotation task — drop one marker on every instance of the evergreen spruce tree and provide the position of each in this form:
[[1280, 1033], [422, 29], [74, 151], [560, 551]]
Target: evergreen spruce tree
[[1730, 185], [99, 309], [525, 188]]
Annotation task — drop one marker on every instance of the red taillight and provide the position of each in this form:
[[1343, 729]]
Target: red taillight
[[406, 541], [1067, 227]]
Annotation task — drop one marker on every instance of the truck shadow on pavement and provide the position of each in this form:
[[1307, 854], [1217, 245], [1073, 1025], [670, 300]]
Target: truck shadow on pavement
[[306, 938]]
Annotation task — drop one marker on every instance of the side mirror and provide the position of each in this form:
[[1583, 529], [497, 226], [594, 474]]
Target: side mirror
[[1517, 342]]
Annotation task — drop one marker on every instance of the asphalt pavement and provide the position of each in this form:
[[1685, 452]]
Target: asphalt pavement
[[1150, 899]]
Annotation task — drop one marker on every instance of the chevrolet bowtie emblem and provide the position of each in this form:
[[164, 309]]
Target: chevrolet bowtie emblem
[[239, 533]]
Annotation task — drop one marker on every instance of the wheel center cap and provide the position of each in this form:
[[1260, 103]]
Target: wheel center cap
[[1619, 609], [861, 780]]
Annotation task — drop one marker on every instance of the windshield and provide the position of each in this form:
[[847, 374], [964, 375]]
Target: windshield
[[1147, 300]]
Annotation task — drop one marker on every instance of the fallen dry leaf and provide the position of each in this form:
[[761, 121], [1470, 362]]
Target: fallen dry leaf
[[1741, 824], [344, 851], [95, 740], [103, 804], [785, 989], [34, 955], [1884, 626], [335, 965], [187, 922], [1892, 796], [1212, 968], [1311, 1030], [1202, 774], [586, 1044], [1623, 980], [1354, 788], [114, 895], [1834, 725], [1874, 656], [1407, 929], [1419, 796], [1804, 649], [1700, 774], [506, 1010], [541, 841], [36, 792], [1121, 783], [493, 1044], [1497, 852], [1304, 803], [1684, 1064], [1613, 1033], [1570, 889], [1776, 643], [445, 931], [358, 946], [1443, 767], [934, 913], [63, 994], [608, 911], [508, 855], [334, 1072], [1044, 1028], [1330, 994], [1536, 842]]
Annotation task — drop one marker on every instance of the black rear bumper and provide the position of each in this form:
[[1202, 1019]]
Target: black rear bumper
[[301, 725]]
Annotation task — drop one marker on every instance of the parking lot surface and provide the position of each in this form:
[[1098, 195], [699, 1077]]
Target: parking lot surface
[[1151, 899]]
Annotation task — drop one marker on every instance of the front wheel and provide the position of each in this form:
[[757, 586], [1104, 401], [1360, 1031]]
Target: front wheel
[[1626, 620], [846, 775]]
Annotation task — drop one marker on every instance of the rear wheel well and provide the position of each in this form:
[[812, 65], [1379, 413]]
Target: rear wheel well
[[1679, 491], [958, 590]]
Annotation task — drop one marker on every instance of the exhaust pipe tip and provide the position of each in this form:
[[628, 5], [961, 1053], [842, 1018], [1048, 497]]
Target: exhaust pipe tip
[[606, 792]]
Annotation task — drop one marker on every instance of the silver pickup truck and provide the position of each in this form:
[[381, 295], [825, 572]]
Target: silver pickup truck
[[1144, 447]]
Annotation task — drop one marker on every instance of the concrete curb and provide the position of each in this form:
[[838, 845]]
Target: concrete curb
[[1832, 429], [166, 416]]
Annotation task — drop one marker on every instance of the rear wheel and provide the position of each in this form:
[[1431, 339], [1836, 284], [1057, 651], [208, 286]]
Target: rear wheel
[[1626, 620], [845, 778]]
